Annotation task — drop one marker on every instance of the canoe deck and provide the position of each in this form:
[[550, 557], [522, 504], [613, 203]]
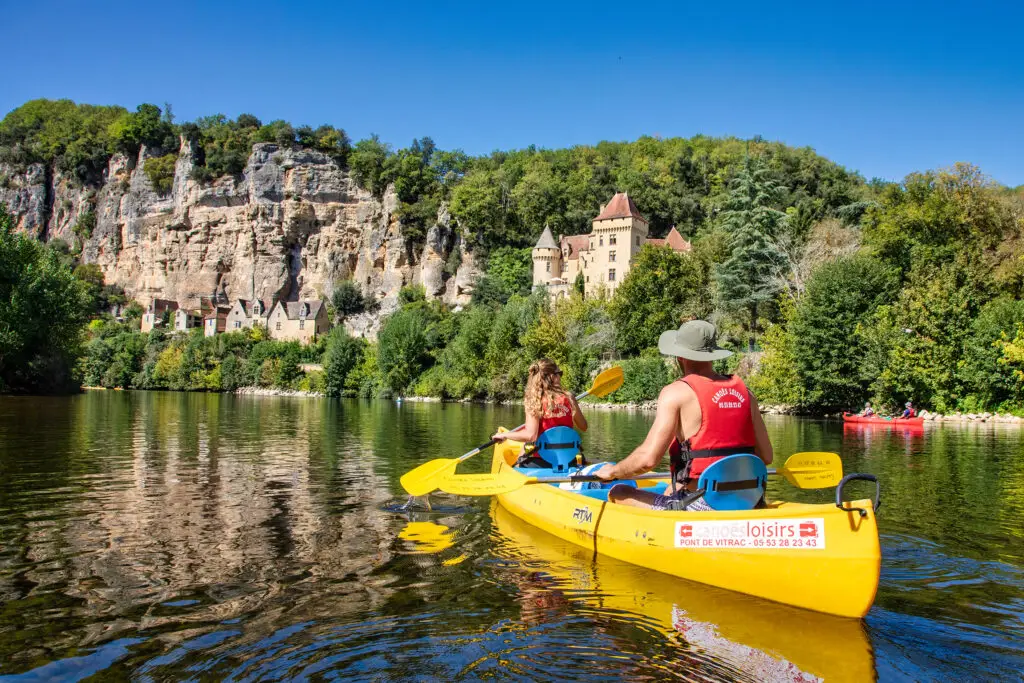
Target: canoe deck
[[817, 557]]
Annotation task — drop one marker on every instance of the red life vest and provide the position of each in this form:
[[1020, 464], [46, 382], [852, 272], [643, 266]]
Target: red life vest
[[557, 413], [726, 427]]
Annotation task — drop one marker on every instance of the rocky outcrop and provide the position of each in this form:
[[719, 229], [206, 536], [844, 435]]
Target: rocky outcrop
[[293, 225]]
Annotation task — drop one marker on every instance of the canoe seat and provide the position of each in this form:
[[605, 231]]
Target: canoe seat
[[559, 447], [736, 482]]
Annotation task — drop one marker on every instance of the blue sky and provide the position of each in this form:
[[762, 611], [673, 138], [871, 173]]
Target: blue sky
[[882, 88]]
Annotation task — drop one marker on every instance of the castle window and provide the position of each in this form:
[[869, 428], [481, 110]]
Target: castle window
[[611, 240], [600, 241], [611, 257], [302, 324], [548, 264], [611, 275], [588, 278], [638, 240], [278, 325], [237, 324]]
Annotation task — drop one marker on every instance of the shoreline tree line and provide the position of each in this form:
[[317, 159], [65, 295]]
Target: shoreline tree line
[[832, 290]]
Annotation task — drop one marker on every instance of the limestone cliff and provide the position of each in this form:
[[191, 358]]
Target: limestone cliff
[[293, 225]]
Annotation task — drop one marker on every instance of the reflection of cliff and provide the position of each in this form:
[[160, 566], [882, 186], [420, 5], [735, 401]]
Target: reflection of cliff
[[292, 225], [226, 509]]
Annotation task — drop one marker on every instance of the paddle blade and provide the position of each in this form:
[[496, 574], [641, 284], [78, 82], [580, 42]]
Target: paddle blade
[[424, 479], [607, 382], [813, 470], [489, 484]]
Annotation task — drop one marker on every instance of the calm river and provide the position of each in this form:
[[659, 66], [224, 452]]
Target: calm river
[[158, 536]]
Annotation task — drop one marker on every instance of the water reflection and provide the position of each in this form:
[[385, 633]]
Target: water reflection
[[168, 536]]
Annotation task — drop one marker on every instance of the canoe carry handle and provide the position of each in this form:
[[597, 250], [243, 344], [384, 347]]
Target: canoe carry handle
[[863, 477]]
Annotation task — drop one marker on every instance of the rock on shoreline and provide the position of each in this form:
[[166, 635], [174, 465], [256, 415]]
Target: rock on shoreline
[[262, 391]]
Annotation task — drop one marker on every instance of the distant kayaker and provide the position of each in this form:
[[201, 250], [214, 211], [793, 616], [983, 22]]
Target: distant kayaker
[[868, 410], [703, 417], [547, 405], [908, 411]]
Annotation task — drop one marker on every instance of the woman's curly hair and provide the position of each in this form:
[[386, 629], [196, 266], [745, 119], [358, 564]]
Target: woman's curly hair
[[542, 387]]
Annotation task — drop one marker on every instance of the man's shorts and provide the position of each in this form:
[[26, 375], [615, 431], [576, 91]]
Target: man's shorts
[[674, 502]]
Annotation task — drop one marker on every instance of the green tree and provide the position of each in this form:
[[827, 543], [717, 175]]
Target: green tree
[[828, 350], [160, 171], [43, 315], [661, 288], [367, 161], [513, 268], [342, 356], [347, 300], [985, 378], [145, 126], [778, 380], [402, 348], [932, 319], [752, 221]]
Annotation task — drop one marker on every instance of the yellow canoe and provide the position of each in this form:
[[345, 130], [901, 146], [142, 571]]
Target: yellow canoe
[[766, 640], [818, 557]]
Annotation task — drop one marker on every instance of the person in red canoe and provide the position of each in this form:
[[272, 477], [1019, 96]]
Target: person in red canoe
[[547, 405], [702, 417], [868, 411], [908, 411]]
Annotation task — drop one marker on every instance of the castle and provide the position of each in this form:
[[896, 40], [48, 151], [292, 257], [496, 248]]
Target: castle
[[603, 257]]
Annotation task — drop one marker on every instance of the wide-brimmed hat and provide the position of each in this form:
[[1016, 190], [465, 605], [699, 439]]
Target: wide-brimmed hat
[[694, 340]]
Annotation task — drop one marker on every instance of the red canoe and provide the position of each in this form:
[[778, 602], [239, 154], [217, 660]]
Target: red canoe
[[860, 419]]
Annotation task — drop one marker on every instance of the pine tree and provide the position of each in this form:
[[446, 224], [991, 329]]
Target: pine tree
[[752, 222]]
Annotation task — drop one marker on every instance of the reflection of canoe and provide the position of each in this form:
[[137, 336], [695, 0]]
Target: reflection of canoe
[[819, 557], [767, 640], [894, 422]]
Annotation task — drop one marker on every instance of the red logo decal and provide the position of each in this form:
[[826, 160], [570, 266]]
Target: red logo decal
[[808, 529], [685, 531]]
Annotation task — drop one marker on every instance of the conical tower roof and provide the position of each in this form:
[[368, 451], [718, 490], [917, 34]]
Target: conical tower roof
[[621, 206], [547, 240]]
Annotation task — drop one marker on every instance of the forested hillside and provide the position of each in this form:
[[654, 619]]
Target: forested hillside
[[834, 290]]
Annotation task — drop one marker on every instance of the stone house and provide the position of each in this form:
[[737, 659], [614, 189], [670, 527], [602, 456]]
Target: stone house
[[185, 320], [602, 257], [215, 321], [245, 313], [158, 314], [301, 321]]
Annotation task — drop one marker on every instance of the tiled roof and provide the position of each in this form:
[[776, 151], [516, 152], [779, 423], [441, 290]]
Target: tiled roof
[[673, 239], [247, 305], [621, 206], [575, 244], [547, 240], [293, 309]]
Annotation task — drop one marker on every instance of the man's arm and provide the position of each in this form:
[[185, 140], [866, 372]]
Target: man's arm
[[647, 454], [762, 444]]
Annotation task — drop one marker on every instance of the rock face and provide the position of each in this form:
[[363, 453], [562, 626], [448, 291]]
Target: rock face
[[293, 225]]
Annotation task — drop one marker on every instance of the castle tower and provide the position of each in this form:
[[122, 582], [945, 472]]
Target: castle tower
[[618, 233], [547, 259]]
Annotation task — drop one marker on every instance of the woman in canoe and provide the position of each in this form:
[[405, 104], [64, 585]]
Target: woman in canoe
[[547, 405]]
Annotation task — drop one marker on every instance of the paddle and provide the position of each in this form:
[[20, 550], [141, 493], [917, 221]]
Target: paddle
[[425, 478], [810, 470]]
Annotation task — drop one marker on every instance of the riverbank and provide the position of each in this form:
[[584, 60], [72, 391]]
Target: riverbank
[[642, 406]]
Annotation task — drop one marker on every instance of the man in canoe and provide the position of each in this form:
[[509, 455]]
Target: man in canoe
[[868, 411], [702, 417], [908, 411]]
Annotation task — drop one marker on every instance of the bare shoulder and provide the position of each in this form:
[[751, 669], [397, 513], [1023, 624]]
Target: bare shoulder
[[676, 394]]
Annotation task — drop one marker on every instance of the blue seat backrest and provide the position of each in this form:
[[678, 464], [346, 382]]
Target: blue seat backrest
[[736, 482], [559, 446]]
